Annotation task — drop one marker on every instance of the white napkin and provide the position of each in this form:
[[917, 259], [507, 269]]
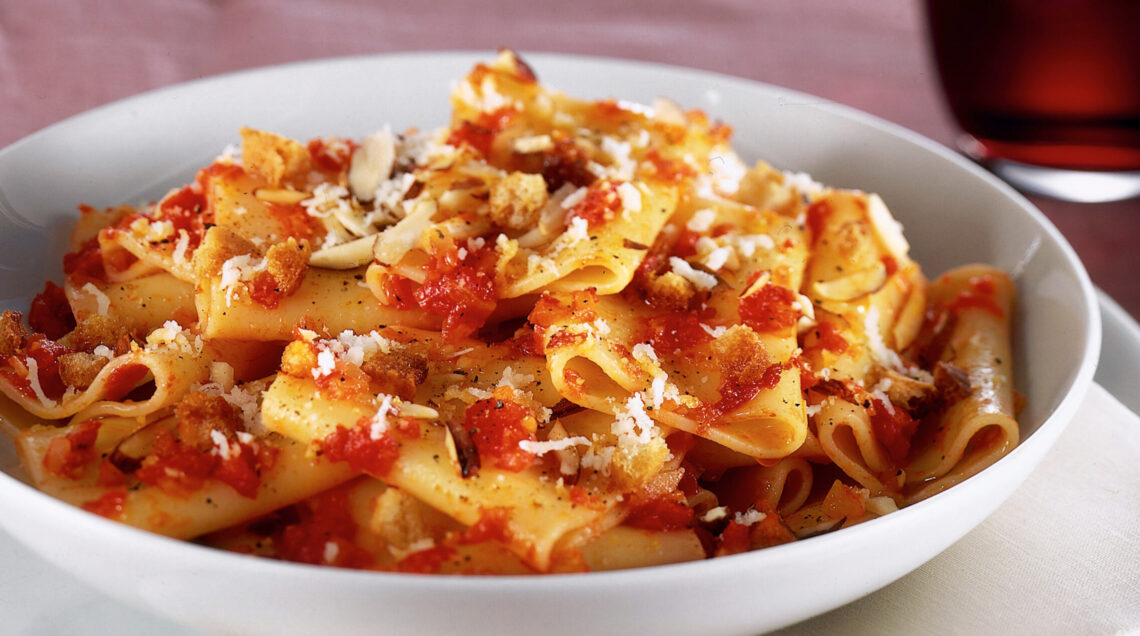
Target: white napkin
[[1060, 556]]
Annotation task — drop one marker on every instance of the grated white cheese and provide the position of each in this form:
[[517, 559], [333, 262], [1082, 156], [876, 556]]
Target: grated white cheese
[[699, 279], [101, 301], [624, 167], [515, 380], [749, 517], [598, 459], [812, 409], [326, 199], [326, 362], [727, 170], [717, 258], [104, 351], [803, 182], [643, 351], [601, 327], [578, 230], [378, 425], [630, 197], [714, 514], [701, 220], [180, 248], [237, 269], [747, 244], [632, 426], [222, 446], [152, 231], [541, 448]]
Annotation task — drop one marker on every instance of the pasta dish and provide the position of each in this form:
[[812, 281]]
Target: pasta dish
[[555, 335]]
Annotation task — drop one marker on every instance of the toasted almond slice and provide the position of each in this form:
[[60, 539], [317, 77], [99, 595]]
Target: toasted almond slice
[[346, 255], [853, 286], [372, 164], [280, 196]]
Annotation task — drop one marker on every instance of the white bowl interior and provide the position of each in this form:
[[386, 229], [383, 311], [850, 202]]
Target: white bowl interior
[[953, 213]]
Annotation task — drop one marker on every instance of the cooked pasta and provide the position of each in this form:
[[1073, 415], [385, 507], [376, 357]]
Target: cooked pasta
[[554, 335]]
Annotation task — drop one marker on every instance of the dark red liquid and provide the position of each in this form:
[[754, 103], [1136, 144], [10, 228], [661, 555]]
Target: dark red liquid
[[1046, 82]]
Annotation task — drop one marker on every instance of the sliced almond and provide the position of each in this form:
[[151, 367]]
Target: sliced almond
[[372, 164]]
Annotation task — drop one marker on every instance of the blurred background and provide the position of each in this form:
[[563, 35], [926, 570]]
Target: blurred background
[[61, 57]]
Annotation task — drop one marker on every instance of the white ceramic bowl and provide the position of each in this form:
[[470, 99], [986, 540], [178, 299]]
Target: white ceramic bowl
[[954, 213]]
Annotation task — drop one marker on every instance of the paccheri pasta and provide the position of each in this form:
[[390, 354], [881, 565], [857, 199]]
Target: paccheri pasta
[[556, 335]]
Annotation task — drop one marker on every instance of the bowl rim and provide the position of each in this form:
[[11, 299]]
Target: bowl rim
[[20, 494]]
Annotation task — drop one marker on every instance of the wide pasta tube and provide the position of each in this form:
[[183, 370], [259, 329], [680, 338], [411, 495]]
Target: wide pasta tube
[[325, 299], [978, 429], [784, 486], [142, 304], [423, 469], [847, 436], [290, 476], [173, 361], [599, 364]]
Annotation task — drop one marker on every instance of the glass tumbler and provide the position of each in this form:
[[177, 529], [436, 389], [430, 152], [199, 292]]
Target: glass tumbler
[[1047, 91]]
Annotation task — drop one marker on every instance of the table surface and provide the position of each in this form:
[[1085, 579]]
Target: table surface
[[61, 57]]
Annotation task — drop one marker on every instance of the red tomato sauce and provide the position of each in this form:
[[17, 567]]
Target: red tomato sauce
[[660, 514], [109, 504], [399, 292], [686, 244], [492, 525], [70, 455], [428, 561], [463, 291], [980, 295], [890, 264], [86, 264], [264, 291], [733, 539], [325, 518], [295, 221], [496, 428], [736, 391], [123, 379], [674, 333], [356, 447], [181, 471], [600, 205], [526, 342], [827, 338], [480, 134], [817, 214], [50, 313], [669, 170], [894, 431], [769, 309], [549, 311], [186, 210], [46, 353], [334, 158]]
